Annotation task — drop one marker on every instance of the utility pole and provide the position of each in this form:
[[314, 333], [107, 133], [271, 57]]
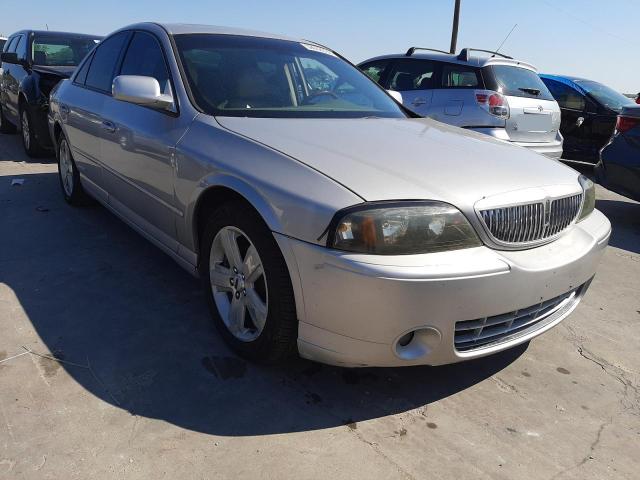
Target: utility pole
[[454, 29]]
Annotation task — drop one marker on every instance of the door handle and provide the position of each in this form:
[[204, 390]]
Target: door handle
[[419, 101], [108, 126]]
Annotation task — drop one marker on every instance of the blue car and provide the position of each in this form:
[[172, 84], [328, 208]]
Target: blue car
[[619, 165], [589, 112]]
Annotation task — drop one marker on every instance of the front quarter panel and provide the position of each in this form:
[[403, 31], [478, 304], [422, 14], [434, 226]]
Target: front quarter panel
[[293, 199]]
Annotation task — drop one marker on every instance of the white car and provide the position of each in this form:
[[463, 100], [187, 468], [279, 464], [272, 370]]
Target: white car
[[495, 95]]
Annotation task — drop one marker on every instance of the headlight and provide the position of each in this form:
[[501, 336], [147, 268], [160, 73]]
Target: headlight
[[401, 228], [589, 203]]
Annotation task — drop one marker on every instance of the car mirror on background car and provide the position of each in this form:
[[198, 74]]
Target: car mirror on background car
[[10, 57], [141, 90]]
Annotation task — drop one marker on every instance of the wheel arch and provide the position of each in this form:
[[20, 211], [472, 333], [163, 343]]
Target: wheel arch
[[219, 189]]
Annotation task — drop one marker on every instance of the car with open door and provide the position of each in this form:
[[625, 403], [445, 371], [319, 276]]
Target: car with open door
[[321, 217], [479, 90], [589, 113], [33, 62]]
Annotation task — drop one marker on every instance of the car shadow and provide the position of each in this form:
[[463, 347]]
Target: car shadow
[[625, 222], [132, 328]]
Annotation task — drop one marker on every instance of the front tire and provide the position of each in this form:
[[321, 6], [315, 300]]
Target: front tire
[[29, 140], [247, 284], [68, 174]]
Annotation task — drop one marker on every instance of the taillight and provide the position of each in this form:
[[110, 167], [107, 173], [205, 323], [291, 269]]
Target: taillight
[[494, 102], [624, 124]]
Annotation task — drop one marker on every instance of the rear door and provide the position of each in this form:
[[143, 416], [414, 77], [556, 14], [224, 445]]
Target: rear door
[[14, 74], [454, 100], [413, 78], [138, 149], [83, 104], [534, 115]]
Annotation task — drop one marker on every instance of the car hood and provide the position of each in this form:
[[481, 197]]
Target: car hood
[[402, 159]]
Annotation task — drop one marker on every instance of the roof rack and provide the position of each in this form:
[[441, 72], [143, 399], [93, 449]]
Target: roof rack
[[464, 53], [413, 49]]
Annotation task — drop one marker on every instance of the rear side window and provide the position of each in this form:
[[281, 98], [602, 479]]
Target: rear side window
[[566, 96], [375, 70], [105, 59], [81, 76], [516, 82], [407, 75], [144, 57], [459, 76]]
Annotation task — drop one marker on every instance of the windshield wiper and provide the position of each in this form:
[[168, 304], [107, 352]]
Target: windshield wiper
[[532, 91]]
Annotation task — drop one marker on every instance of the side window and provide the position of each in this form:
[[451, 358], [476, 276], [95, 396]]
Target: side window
[[11, 45], [375, 70], [105, 59], [566, 96], [144, 57], [459, 76], [21, 47], [81, 76], [408, 75]]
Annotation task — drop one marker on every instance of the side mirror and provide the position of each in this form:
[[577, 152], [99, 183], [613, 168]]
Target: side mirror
[[396, 95], [10, 57], [141, 91]]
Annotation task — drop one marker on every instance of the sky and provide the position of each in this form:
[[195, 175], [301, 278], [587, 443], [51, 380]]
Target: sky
[[589, 38]]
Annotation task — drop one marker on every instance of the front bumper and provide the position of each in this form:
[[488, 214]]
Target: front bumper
[[548, 149], [353, 309]]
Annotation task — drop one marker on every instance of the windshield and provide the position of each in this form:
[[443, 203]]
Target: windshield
[[59, 50], [516, 82], [262, 77], [605, 95]]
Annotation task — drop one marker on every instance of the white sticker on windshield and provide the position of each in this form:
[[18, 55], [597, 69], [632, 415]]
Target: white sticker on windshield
[[316, 48]]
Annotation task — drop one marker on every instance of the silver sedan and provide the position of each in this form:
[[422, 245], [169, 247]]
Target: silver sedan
[[322, 217]]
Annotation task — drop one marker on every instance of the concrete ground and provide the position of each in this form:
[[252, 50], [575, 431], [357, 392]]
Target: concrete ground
[[145, 388]]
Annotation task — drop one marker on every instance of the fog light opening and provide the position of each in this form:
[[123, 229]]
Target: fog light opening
[[417, 343], [406, 339]]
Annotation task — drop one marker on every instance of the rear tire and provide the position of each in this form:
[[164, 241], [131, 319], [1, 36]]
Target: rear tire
[[68, 174], [5, 125], [29, 140], [247, 284]]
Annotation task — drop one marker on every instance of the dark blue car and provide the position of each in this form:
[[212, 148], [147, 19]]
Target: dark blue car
[[619, 165], [589, 112]]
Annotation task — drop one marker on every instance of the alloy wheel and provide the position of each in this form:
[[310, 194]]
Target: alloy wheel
[[26, 136], [238, 283], [66, 168]]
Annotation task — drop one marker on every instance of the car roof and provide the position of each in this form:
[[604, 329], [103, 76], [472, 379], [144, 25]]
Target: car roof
[[568, 80], [52, 32], [184, 28], [473, 60]]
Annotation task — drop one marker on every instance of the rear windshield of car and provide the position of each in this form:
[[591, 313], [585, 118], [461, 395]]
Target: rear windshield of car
[[59, 50], [516, 82], [262, 77], [604, 95]]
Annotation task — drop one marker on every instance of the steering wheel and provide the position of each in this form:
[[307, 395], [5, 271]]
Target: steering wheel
[[313, 95]]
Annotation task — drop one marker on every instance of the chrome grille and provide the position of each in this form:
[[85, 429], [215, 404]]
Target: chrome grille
[[484, 332], [531, 222]]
